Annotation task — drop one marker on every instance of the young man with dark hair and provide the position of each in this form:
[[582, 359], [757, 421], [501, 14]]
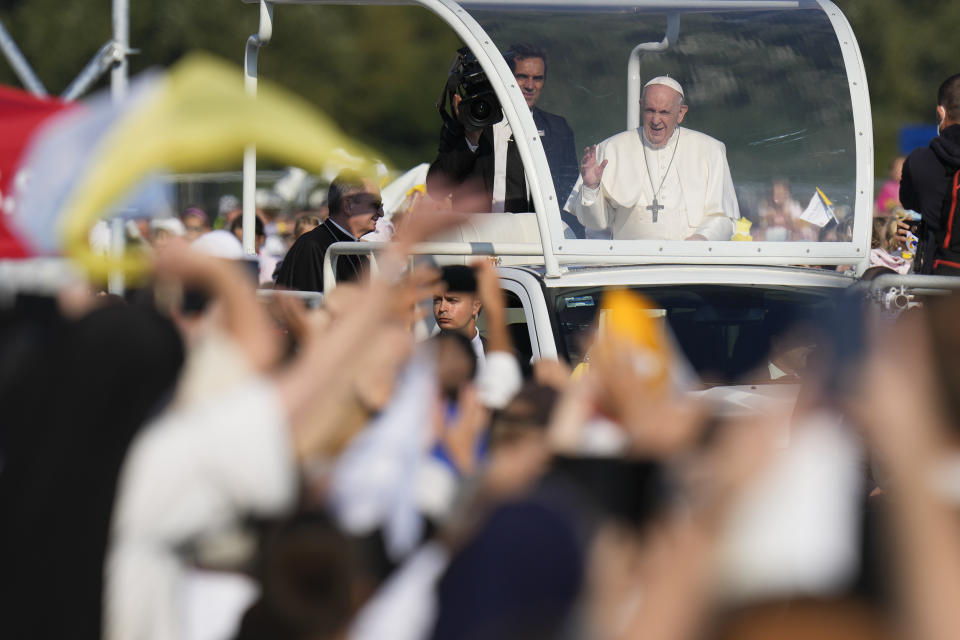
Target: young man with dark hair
[[457, 308], [355, 206], [930, 186]]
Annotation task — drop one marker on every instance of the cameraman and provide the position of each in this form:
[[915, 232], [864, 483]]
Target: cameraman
[[478, 162]]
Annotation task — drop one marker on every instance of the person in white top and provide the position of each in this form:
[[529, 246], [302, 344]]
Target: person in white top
[[659, 182], [204, 464]]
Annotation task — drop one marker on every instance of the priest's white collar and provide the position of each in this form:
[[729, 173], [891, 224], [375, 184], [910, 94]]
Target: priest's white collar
[[334, 223]]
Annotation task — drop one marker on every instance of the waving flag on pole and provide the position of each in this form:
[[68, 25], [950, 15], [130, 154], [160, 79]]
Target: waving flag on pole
[[196, 116], [819, 211]]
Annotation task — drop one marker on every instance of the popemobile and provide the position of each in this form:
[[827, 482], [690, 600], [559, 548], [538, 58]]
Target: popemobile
[[735, 195]]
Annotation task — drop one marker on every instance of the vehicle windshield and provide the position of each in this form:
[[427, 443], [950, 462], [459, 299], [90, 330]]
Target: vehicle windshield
[[770, 85], [729, 334]]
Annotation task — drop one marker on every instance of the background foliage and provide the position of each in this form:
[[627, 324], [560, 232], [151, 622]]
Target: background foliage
[[349, 61], [356, 64]]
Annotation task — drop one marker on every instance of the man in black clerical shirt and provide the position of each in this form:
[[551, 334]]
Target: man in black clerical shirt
[[355, 206], [488, 162]]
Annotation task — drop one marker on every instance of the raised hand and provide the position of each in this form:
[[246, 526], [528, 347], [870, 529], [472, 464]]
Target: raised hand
[[242, 315], [494, 308], [590, 171]]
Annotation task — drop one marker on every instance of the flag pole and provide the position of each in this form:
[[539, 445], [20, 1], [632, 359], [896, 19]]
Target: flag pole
[[118, 92]]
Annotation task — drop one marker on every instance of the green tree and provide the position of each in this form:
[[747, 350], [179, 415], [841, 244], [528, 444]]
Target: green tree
[[377, 71], [909, 47]]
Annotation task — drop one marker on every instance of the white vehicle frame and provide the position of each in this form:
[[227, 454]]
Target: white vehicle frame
[[555, 249]]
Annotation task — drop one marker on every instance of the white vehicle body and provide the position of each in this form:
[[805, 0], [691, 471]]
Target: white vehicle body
[[827, 140], [536, 292]]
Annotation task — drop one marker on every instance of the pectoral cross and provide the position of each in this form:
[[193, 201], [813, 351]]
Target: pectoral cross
[[655, 209]]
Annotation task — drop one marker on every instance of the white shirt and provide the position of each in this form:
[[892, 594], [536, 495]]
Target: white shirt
[[405, 607], [477, 345], [502, 133], [501, 140], [498, 375], [689, 176], [188, 473]]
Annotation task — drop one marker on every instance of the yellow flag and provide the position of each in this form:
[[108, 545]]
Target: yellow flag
[[198, 117], [632, 317]]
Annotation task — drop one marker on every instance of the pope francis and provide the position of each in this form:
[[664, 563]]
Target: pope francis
[[658, 182]]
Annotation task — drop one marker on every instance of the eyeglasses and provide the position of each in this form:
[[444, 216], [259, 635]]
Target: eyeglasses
[[373, 203]]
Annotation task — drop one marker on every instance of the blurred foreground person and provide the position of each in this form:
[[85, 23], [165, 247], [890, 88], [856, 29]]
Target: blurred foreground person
[[312, 582], [909, 412], [615, 505], [690, 525], [180, 481], [110, 370]]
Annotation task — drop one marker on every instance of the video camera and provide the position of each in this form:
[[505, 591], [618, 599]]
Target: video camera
[[479, 107]]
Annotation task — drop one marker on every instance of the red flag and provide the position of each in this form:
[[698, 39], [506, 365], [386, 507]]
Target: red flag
[[21, 113]]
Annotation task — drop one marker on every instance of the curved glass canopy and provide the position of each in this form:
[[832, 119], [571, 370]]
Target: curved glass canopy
[[771, 84], [779, 82]]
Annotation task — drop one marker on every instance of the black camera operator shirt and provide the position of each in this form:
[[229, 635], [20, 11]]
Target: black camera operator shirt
[[462, 173]]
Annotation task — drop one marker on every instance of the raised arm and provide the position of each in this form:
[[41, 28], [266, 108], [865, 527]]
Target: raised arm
[[242, 315], [591, 171], [587, 201]]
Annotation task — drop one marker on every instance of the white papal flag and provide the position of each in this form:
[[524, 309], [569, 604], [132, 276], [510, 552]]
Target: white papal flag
[[819, 211]]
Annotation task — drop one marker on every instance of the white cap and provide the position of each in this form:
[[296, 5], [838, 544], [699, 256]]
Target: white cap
[[227, 203], [220, 244], [170, 225], [666, 81]]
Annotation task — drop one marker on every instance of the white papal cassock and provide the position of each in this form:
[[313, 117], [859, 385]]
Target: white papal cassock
[[697, 193]]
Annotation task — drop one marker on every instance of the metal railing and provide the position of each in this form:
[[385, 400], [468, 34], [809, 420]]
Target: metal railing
[[312, 298], [338, 249], [895, 292]]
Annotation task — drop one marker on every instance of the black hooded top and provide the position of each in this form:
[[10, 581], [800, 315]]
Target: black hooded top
[[927, 173]]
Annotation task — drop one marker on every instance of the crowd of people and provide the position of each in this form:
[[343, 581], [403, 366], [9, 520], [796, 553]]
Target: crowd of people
[[189, 461], [639, 184], [275, 230], [229, 469]]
